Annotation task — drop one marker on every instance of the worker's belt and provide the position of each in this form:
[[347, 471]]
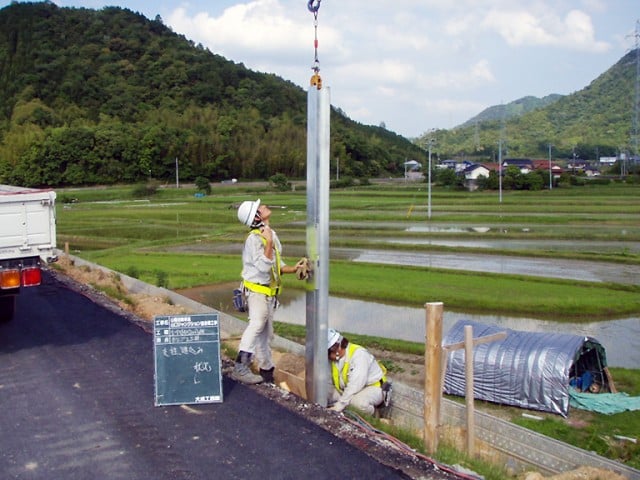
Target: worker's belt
[[267, 290]]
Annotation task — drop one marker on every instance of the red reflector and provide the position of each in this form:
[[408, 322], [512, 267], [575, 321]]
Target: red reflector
[[10, 278], [31, 277]]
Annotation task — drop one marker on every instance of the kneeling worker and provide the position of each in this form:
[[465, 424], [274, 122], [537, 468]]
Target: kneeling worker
[[357, 376]]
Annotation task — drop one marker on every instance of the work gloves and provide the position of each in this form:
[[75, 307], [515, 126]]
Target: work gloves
[[304, 269]]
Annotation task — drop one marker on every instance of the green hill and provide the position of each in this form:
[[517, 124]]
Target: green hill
[[512, 109], [105, 96], [595, 121]]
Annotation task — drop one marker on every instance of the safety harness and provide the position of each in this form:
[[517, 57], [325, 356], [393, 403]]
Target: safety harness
[[274, 288], [351, 348]]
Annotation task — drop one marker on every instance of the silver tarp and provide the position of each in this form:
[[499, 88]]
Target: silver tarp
[[526, 369]]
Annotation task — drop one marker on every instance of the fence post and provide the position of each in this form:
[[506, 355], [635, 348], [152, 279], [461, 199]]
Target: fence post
[[432, 371]]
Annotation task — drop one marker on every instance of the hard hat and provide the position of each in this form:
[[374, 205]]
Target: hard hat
[[247, 212], [333, 337]]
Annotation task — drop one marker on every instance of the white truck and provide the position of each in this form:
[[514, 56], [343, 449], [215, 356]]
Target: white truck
[[27, 241]]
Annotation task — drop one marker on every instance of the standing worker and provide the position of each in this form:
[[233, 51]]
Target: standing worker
[[358, 379], [262, 267]]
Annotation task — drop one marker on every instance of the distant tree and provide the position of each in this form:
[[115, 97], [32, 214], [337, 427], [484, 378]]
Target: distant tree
[[446, 177], [203, 185], [280, 182]]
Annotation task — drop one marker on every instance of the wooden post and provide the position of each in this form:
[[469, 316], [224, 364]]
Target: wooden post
[[432, 371], [66, 248], [468, 376], [468, 344]]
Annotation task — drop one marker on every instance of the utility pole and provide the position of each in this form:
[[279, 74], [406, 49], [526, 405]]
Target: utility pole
[[500, 142], [500, 168], [177, 177], [550, 174], [430, 144]]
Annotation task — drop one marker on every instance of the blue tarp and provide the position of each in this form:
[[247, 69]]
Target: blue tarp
[[607, 403], [526, 369]]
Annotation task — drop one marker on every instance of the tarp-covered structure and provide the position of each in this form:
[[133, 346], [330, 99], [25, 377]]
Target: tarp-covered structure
[[531, 370]]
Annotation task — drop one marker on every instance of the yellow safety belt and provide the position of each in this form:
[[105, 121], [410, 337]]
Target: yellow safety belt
[[274, 288], [345, 369]]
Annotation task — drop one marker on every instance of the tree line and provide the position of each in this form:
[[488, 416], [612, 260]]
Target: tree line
[[108, 96]]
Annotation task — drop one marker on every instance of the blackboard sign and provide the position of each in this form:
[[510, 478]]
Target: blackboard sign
[[187, 359]]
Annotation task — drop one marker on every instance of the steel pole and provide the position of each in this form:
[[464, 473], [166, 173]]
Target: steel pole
[[317, 296]]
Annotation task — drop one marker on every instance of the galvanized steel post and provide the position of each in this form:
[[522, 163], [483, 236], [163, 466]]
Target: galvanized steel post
[[317, 364]]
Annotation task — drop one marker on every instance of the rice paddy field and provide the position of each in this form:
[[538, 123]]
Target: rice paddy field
[[191, 240]]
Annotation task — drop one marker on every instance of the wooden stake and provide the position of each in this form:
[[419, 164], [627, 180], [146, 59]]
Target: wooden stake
[[468, 376], [432, 371], [468, 344]]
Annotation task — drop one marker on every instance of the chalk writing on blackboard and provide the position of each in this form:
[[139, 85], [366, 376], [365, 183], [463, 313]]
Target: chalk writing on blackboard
[[187, 359]]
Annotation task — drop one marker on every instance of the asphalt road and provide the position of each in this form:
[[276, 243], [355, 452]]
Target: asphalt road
[[77, 402]]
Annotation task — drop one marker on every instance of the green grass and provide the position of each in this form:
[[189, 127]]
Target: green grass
[[458, 290], [596, 432]]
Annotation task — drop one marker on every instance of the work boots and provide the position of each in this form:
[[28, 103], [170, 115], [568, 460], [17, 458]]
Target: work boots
[[242, 371], [267, 375]]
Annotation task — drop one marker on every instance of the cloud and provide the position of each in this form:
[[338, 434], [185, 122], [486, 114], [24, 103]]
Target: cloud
[[249, 26], [476, 74], [526, 28], [409, 62]]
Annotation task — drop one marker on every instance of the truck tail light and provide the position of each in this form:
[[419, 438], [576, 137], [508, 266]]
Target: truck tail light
[[10, 278], [31, 276]]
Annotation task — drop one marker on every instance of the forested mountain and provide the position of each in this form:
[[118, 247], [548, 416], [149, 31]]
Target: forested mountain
[[512, 109], [596, 120], [104, 96]]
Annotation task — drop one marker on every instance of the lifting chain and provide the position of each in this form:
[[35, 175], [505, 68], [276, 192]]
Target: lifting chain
[[316, 81]]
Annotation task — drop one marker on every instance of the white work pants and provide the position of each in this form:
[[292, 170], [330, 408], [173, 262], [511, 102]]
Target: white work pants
[[256, 338], [365, 400]]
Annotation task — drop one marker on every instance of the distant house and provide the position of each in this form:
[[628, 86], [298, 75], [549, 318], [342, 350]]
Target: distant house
[[524, 164], [591, 171], [449, 163], [543, 164], [472, 173], [608, 160], [492, 167], [411, 170], [463, 165]]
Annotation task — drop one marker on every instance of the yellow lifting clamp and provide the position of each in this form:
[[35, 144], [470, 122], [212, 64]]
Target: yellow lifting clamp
[[316, 81]]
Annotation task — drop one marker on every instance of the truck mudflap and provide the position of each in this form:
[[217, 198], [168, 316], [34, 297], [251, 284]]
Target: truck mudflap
[[7, 307], [14, 275]]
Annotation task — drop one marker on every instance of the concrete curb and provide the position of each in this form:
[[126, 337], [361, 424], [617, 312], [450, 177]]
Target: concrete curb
[[517, 448]]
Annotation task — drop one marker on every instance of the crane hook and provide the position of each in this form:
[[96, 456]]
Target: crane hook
[[312, 8]]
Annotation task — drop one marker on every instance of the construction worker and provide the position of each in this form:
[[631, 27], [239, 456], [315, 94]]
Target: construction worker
[[262, 267], [357, 377]]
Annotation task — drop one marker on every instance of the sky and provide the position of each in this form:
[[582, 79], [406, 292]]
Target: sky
[[412, 65]]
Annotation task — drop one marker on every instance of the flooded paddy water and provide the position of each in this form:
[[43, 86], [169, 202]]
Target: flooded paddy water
[[620, 337]]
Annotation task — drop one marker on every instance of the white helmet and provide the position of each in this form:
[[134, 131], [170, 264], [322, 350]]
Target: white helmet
[[333, 337], [247, 212]]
